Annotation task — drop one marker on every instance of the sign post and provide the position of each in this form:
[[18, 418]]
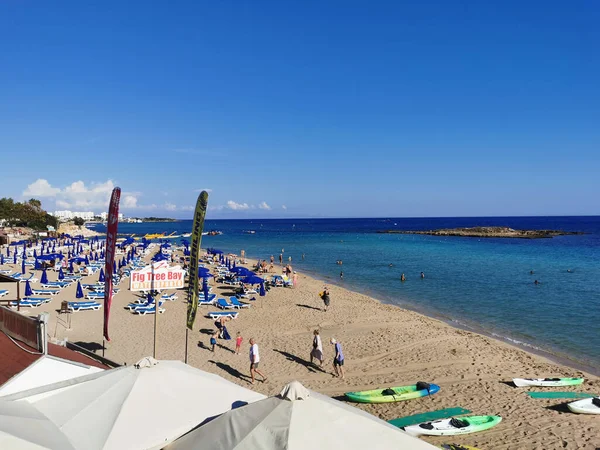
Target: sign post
[[155, 278]]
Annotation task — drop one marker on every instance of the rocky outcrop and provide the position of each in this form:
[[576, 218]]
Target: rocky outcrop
[[489, 232]]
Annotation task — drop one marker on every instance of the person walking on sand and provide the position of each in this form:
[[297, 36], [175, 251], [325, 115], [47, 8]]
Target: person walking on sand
[[317, 350], [325, 297], [254, 360], [213, 340], [238, 343], [338, 359]]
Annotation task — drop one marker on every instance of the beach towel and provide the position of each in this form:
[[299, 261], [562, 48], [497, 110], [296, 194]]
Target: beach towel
[[225, 334]]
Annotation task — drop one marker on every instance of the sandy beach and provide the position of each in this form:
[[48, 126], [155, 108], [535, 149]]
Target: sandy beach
[[384, 346]]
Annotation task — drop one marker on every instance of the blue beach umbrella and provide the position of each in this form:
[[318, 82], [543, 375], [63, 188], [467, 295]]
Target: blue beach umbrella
[[205, 288], [15, 257], [262, 292], [34, 253], [114, 267], [101, 278], [44, 278], [79, 293], [1, 259], [87, 260], [61, 274], [252, 279], [123, 262], [96, 256], [234, 266], [71, 267], [28, 291], [7, 251], [23, 267]]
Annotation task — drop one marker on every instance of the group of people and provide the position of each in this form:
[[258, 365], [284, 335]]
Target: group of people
[[317, 353]]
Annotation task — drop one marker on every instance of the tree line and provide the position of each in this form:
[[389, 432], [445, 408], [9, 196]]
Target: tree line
[[26, 214]]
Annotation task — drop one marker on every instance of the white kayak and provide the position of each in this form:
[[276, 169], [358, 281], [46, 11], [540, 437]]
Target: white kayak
[[586, 406], [547, 382], [454, 426]]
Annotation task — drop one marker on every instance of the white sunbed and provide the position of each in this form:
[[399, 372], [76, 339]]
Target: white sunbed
[[45, 291], [149, 310], [217, 314]]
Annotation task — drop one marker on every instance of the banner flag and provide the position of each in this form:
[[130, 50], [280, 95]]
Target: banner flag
[[192, 294], [111, 241]]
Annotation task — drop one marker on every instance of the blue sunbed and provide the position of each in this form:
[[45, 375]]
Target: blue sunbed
[[236, 303], [222, 303], [46, 291], [82, 306]]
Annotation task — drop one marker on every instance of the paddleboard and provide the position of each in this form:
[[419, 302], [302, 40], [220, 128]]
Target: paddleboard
[[394, 394], [455, 426], [586, 406], [547, 382]]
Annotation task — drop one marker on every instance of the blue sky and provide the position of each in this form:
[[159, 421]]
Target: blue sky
[[296, 109]]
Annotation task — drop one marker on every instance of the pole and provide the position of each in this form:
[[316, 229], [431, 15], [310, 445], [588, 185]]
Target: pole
[[156, 308], [186, 343]]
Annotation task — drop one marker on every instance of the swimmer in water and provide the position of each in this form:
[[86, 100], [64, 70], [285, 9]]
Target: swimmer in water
[[536, 282], [531, 272], [402, 277], [391, 265], [422, 274], [342, 275]]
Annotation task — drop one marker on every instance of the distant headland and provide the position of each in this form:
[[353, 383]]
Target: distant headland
[[488, 232]]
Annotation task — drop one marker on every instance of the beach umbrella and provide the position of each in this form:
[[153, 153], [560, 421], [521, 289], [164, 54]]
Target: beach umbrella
[[253, 279], [233, 267], [262, 292], [123, 261], [15, 257], [23, 266], [114, 267], [79, 292], [34, 253], [124, 399], [87, 260], [96, 256], [298, 419], [44, 278], [23, 426], [28, 290], [61, 274], [7, 251], [1, 259], [71, 267], [101, 278], [205, 288]]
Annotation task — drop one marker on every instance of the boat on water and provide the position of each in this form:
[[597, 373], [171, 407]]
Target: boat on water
[[187, 234], [158, 235], [250, 232], [212, 233]]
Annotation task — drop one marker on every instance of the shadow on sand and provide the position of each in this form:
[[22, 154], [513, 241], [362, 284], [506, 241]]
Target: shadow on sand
[[308, 307], [310, 366], [230, 370]]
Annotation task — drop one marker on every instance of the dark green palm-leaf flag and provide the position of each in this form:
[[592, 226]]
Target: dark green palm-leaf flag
[[192, 294]]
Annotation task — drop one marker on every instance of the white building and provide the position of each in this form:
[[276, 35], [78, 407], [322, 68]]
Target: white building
[[68, 215]]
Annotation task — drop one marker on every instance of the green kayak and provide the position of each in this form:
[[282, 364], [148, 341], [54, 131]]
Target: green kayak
[[394, 394], [454, 426]]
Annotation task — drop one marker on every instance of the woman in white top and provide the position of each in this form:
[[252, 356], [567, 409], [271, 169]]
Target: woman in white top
[[254, 360], [317, 350]]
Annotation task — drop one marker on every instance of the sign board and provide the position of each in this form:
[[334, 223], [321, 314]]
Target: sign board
[[158, 277]]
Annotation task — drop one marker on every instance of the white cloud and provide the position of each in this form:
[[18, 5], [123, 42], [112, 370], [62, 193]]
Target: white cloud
[[170, 207], [263, 205], [215, 208], [283, 207], [129, 201], [40, 188], [80, 196], [237, 206], [187, 208]]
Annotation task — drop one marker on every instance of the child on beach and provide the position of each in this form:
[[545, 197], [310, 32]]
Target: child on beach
[[213, 340], [238, 343]]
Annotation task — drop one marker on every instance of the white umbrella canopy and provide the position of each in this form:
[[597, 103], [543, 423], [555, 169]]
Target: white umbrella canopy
[[297, 419], [22, 427], [144, 406]]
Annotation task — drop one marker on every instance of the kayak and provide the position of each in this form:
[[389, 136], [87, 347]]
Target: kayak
[[586, 406], [454, 426], [457, 447], [547, 382], [395, 394]]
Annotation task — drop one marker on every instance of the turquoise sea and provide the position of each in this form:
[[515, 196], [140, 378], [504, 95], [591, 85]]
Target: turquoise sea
[[480, 284]]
